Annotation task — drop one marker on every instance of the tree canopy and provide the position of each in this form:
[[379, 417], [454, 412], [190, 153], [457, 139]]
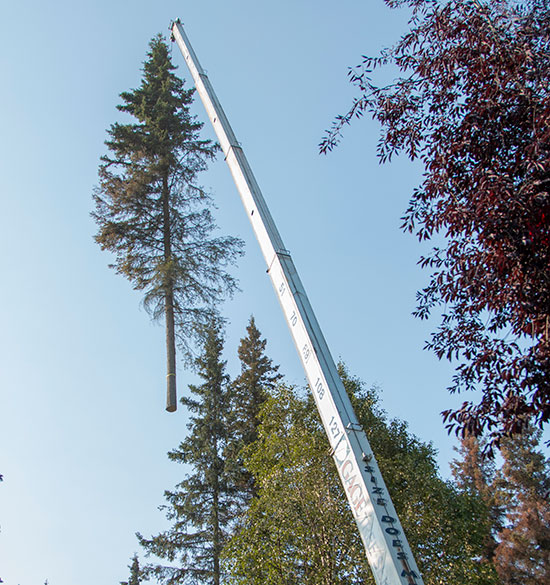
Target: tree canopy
[[300, 528], [489, 525], [472, 101]]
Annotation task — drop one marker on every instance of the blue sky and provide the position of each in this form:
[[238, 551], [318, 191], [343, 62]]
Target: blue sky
[[83, 429]]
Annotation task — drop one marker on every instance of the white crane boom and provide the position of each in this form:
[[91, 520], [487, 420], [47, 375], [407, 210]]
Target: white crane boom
[[387, 549]]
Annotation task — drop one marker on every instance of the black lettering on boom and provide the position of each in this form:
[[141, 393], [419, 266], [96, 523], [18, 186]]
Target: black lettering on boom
[[401, 556]]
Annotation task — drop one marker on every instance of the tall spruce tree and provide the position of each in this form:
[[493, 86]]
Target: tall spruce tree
[[152, 213], [250, 389], [522, 556], [202, 506]]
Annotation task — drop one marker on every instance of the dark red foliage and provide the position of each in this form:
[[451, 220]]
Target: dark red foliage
[[473, 103]]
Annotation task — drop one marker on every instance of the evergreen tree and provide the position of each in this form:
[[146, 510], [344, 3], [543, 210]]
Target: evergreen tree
[[152, 213], [300, 528], [202, 506], [473, 472], [474, 475], [250, 389], [135, 573], [523, 554]]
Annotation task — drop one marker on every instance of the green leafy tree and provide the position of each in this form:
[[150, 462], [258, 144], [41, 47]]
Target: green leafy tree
[[440, 522], [201, 508], [522, 556], [152, 213], [257, 379], [471, 102], [300, 527]]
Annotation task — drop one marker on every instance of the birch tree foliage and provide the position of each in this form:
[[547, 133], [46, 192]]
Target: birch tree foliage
[[299, 527]]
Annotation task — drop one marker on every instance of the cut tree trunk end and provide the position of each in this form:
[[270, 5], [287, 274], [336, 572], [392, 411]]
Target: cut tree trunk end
[[171, 402]]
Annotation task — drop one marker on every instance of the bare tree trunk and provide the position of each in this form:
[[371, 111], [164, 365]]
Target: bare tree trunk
[[171, 400]]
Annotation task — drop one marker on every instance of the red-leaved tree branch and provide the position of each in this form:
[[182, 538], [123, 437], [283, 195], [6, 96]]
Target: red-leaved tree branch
[[473, 103]]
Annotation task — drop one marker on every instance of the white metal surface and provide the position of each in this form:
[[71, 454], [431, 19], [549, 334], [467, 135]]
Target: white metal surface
[[387, 549]]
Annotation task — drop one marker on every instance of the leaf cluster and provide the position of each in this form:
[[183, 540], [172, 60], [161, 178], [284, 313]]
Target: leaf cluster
[[472, 102]]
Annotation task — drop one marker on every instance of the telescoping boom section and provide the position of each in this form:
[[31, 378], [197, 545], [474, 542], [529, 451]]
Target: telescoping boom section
[[386, 546]]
